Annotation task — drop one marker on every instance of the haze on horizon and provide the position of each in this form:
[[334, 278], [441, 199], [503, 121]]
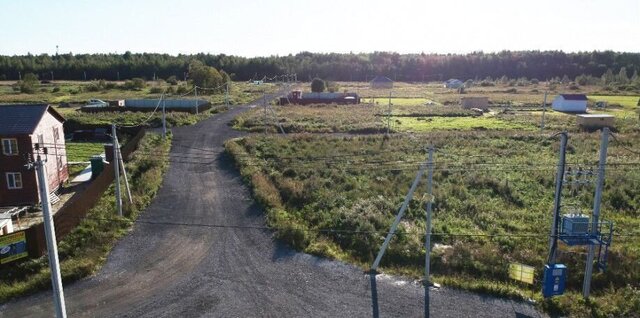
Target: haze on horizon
[[280, 27]]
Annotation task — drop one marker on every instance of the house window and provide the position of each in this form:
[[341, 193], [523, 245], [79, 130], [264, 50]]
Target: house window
[[14, 180], [59, 161], [40, 140], [56, 135], [10, 146]]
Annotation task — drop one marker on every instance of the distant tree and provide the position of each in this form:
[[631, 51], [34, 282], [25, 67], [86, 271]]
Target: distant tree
[[206, 77], [622, 77], [29, 83], [634, 77], [607, 77], [317, 85]]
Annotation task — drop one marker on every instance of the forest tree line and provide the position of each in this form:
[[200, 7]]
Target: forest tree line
[[541, 65]]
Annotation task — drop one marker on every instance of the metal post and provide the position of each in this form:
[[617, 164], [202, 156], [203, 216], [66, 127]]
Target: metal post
[[52, 246], [604, 142], [116, 170], [124, 173], [394, 226], [553, 239], [164, 120], [427, 243], [544, 110], [195, 90]]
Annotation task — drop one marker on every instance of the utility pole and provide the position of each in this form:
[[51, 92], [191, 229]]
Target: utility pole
[[124, 173], [116, 170], [164, 120], [604, 142], [50, 234], [195, 90], [389, 115], [394, 226], [427, 243], [226, 95], [553, 239], [544, 109], [85, 75], [264, 104], [118, 75]]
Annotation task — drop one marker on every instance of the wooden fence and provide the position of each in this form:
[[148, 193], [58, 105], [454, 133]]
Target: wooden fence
[[74, 210]]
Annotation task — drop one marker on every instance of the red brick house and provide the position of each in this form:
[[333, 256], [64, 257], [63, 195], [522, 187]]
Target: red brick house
[[21, 128]]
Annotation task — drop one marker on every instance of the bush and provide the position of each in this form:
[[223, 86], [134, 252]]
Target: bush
[[55, 89], [318, 85], [135, 84], [29, 83], [172, 80], [156, 90]]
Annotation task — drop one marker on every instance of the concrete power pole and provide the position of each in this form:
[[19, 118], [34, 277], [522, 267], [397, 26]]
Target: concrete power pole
[[124, 173], [116, 170], [164, 121], [195, 90], [427, 242], [50, 234], [264, 104], [544, 109], [226, 95], [604, 142], [553, 238]]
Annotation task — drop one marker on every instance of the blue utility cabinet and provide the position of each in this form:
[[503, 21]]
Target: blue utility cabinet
[[555, 277]]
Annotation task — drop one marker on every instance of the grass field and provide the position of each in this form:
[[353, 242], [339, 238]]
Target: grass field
[[488, 187], [494, 179]]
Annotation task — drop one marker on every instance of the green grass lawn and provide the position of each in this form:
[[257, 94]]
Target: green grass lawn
[[82, 151]]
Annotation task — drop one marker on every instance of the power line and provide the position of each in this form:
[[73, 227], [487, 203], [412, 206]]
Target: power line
[[320, 230]]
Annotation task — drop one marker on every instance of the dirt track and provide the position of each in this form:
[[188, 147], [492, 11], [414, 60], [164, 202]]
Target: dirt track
[[193, 271]]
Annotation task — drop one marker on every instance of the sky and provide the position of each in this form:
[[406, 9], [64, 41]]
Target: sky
[[281, 27]]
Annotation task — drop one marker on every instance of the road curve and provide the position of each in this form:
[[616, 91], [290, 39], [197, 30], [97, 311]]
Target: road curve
[[199, 271]]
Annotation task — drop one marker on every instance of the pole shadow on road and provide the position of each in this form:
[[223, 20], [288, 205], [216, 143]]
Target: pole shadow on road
[[374, 295]]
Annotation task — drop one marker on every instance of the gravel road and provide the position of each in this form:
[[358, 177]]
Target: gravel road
[[199, 271]]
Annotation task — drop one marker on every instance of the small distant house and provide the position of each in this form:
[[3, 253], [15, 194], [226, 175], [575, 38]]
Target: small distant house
[[453, 83], [594, 121], [571, 103], [21, 128], [475, 102], [381, 82]]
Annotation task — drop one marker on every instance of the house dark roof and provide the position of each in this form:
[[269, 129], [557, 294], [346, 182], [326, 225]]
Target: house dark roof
[[574, 96], [381, 79], [23, 119]]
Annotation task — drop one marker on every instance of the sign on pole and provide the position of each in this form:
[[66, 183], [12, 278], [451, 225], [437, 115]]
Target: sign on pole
[[13, 247], [521, 272]]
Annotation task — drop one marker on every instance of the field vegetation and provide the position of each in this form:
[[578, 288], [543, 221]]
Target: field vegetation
[[337, 196]]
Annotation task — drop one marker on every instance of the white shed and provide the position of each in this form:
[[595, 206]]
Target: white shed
[[573, 103]]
